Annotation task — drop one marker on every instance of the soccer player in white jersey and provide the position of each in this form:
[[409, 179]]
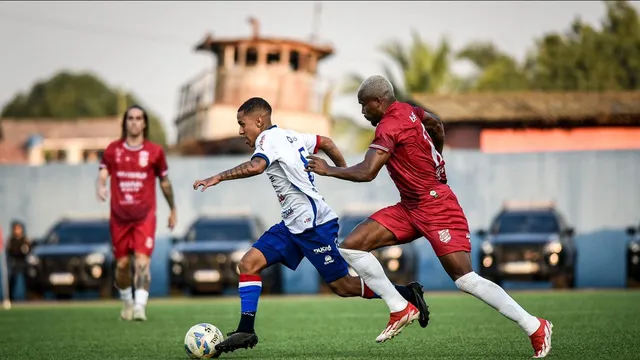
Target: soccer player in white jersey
[[309, 227]]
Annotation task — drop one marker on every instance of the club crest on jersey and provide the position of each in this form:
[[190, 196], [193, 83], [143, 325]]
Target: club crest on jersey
[[445, 237], [143, 158]]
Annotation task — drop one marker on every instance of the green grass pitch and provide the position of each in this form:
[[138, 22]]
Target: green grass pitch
[[588, 324]]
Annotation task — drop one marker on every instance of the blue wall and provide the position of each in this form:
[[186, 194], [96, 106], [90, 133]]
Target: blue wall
[[598, 193]]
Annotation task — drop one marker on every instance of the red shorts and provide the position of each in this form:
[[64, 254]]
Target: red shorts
[[440, 220], [133, 237]]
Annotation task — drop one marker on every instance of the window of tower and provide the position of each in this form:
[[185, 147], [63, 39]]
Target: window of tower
[[252, 56], [294, 60], [273, 57]]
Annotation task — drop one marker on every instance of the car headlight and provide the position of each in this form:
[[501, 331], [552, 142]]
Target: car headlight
[[553, 247], [634, 247], [33, 260], [487, 248], [176, 256], [394, 252], [237, 255], [95, 259]]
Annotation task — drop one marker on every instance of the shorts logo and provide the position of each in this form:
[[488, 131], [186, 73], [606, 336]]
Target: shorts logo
[[322, 250], [445, 237], [468, 237], [328, 260], [149, 243], [143, 158]]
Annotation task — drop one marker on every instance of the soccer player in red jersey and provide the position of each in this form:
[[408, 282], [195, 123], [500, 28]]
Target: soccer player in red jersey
[[133, 163], [409, 141]]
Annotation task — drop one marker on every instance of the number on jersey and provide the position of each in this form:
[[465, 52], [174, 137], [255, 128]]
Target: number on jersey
[[437, 158], [305, 162]]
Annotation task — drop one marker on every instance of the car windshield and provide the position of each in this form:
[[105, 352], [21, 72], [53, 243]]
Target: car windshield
[[89, 232], [531, 222], [220, 229], [348, 223]]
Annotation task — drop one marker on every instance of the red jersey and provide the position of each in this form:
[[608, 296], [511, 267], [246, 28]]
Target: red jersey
[[133, 172], [415, 166]]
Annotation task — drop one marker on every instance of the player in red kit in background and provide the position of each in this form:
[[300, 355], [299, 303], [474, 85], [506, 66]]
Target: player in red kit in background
[[428, 207], [133, 163]]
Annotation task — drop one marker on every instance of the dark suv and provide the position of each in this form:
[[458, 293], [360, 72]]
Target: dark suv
[[400, 262], [206, 259], [75, 255], [529, 242], [633, 257]]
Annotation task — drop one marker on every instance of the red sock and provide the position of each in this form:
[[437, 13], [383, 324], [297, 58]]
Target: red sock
[[366, 292]]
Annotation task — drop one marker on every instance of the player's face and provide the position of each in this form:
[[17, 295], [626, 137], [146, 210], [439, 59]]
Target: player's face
[[371, 109], [249, 128], [135, 122]]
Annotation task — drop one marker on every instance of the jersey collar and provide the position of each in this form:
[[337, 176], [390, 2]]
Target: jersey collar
[[272, 126]]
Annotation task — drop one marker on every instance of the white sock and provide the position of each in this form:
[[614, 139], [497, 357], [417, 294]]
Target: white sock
[[142, 296], [126, 295], [497, 298], [371, 272]]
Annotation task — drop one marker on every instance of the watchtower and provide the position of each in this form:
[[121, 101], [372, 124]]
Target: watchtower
[[282, 71]]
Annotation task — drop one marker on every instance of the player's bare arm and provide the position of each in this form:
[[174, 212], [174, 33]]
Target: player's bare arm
[[167, 191], [435, 128], [101, 185], [364, 171], [331, 149], [253, 167]]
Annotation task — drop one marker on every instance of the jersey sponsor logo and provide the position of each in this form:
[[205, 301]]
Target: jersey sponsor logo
[[287, 212], [261, 143], [445, 236], [322, 250], [143, 158]]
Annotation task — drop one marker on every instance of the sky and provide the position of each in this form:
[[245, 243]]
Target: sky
[[148, 47]]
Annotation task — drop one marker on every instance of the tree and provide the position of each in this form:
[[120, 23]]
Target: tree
[[497, 70], [67, 95], [423, 68], [585, 59]]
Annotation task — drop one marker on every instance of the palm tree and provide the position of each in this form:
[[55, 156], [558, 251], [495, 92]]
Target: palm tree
[[423, 69]]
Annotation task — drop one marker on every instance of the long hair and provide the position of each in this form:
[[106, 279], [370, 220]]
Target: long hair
[[146, 121]]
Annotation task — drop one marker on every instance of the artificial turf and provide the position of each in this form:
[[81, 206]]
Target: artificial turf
[[588, 324]]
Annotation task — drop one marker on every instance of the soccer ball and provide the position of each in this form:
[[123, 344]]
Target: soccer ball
[[201, 340]]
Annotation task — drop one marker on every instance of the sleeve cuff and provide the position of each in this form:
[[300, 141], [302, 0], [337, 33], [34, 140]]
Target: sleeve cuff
[[379, 147], [261, 155], [317, 147]]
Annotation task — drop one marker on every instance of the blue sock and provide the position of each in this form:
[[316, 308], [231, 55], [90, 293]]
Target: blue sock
[[249, 288]]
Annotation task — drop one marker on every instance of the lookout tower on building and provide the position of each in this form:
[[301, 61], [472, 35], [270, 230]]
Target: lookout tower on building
[[282, 71]]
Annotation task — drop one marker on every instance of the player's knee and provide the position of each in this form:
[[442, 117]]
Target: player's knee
[[123, 264], [252, 263], [341, 288], [142, 260]]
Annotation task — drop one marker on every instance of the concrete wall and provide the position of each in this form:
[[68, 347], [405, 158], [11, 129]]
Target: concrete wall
[[598, 192]]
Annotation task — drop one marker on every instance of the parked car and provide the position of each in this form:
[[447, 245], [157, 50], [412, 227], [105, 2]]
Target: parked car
[[206, 259], [74, 255], [529, 242], [633, 257], [400, 262]]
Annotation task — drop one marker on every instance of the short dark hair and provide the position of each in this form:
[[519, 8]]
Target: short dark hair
[[254, 104], [144, 115]]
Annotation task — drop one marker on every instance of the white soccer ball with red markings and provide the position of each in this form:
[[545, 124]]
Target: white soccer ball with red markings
[[201, 340]]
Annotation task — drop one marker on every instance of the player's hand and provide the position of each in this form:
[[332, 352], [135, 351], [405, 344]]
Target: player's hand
[[206, 183], [317, 165], [102, 193], [172, 219]]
